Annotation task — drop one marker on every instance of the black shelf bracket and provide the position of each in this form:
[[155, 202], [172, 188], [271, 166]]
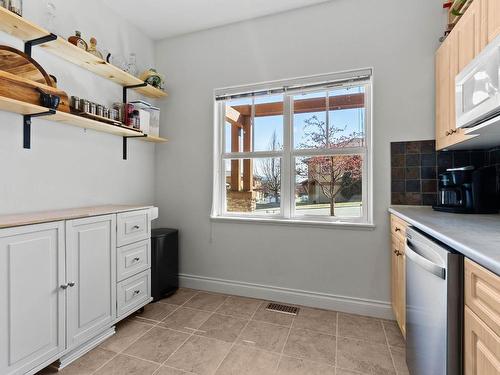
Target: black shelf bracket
[[125, 137], [27, 126], [35, 42], [125, 88]]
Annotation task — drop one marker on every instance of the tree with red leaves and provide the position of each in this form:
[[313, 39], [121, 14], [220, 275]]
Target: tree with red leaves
[[334, 174]]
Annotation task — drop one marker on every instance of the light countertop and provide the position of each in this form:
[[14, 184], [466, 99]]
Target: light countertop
[[14, 220], [475, 236]]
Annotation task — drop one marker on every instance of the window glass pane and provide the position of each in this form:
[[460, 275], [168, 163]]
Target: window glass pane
[[309, 110], [330, 119], [233, 132], [253, 186], [254, 124], [329, 186], [268, 123], [346, 117]]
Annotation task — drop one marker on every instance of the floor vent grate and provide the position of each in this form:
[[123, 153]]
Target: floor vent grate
[[284, 309]]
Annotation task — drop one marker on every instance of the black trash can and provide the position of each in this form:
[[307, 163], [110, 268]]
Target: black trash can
[[164, 262]]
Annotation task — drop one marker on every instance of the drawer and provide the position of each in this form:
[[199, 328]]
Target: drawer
[[481, 347], [482, 294], [133, 259], [133, 226], [398, 227], [133, 292]]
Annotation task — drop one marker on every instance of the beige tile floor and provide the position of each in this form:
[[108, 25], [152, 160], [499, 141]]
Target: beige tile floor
[[195, 332]]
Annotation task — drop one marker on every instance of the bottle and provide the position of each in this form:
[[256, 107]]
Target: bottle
[[132, 65], [93, 48], [78, 41], [50, 16], [16, 6]]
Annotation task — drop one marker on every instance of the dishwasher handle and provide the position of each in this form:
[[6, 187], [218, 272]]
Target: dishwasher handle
[[423, 262]]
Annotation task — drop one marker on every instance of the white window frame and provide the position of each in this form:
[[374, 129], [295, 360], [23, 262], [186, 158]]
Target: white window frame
[[288, 155]]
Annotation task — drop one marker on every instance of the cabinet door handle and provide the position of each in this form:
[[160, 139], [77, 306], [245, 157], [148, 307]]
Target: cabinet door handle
[[397, 229], [447, 133], [71, 284], [453, 131], [64, 286]]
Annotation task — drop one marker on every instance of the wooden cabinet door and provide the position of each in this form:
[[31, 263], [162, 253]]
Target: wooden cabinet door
[[481, 347], [402, 288], [442, 93], [468, 35], [490, 21], [398, 283], [91, 276], [32, 303]]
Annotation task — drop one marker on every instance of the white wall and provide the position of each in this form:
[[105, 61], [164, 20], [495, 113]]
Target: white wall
[[345, 269], [66, 166]]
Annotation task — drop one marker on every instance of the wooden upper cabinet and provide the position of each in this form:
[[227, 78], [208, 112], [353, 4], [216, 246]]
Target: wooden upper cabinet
[[490, 20], [460, 47], [442, 93], [468, 35]]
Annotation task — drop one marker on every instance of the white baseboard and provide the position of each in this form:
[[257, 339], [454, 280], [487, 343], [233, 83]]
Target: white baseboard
[[374, 308]]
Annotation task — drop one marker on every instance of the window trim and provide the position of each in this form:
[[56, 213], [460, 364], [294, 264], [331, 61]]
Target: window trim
[[288, 156]]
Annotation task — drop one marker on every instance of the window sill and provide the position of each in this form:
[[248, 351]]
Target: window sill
[[293, 222]]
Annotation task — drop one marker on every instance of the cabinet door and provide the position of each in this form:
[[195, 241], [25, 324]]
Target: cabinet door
[[481, 347], [468, 36], [442, 93], [490, 20], [91, 276], [402, 288], [398, 285], [32, 303]]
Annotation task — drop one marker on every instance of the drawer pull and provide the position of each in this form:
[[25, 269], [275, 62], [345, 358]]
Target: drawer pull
[[397, 229], [136, 259], [136, 227], [71, 284], [136, 292], [64, 286]]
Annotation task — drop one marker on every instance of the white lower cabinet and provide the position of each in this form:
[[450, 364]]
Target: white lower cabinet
[[91, 275], [32, 303], [59, 285]]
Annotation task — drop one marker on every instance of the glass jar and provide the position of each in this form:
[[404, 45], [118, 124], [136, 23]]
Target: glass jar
[[16, 6], [132, 65]]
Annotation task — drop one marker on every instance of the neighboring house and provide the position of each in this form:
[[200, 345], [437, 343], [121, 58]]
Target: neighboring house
[[311, 187]]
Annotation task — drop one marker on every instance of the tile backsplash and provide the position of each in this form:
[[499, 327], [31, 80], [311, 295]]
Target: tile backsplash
[[415, 167]]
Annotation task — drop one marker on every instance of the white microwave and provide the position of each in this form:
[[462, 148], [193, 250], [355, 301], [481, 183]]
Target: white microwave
[[478, 88]]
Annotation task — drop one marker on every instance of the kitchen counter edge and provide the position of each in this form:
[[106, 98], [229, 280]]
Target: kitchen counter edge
[[480, 256], [29, 218]]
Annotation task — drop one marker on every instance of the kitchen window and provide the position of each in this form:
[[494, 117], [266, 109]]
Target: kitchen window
[[295, 151]]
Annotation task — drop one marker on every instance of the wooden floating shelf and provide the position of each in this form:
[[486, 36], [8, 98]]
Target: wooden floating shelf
[[22, 108], [25, 30]]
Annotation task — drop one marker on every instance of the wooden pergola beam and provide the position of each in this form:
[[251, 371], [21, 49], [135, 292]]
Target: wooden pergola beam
[[234, 117], [336, 103]]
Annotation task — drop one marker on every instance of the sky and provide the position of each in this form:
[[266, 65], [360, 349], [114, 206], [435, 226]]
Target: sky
[[264, 127]]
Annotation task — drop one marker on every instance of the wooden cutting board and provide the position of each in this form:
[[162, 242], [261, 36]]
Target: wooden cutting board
[[18, 88], [20, 64]]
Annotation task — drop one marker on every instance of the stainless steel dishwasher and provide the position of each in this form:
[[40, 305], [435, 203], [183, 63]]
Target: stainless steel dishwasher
[[434, 306]]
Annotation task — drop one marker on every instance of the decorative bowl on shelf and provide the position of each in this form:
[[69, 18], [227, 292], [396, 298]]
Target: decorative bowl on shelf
[[153, 78]]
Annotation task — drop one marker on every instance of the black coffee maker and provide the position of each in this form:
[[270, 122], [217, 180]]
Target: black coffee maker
[[468, 190]]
